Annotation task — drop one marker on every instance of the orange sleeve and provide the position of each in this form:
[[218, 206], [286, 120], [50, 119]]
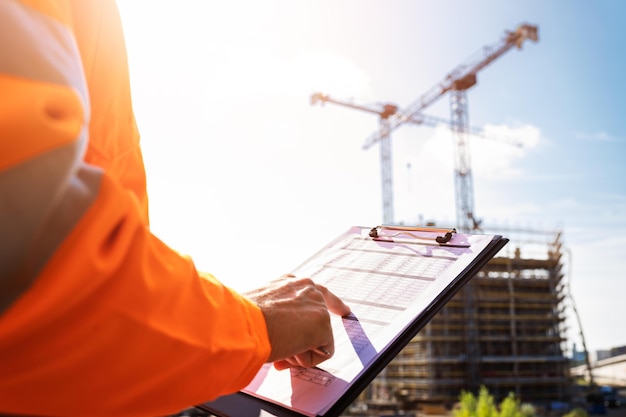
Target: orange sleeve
[[113, 322], [119, 324]]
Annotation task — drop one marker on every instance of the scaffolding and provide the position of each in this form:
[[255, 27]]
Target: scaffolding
[[504, 330]]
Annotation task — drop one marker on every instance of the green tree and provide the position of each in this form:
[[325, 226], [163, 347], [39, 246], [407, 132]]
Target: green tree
[[485, 406], [577, 412]]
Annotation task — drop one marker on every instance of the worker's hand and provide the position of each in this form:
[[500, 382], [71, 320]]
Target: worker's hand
[[297, 315]]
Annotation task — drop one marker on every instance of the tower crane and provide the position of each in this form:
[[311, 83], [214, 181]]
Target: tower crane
[[457, 82], [384, 112]]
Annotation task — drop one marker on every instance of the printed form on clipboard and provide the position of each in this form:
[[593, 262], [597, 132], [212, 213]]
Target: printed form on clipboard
[[394, 279]]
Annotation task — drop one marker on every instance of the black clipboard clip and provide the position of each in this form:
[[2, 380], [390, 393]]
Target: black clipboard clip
[[378, 232]]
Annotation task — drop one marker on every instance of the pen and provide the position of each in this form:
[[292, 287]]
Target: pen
[[321, 351]]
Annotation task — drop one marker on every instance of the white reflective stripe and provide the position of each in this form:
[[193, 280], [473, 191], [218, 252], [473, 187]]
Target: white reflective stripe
[[42, 199], [34, 220], [37, 47]]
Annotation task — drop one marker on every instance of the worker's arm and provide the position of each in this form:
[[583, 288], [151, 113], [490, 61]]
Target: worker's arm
[[119, 324], [97, 316]]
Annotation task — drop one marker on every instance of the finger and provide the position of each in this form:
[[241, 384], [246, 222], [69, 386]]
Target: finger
[[334, 303], [323, 352], [283, 364], [307, 359], [287, 363]]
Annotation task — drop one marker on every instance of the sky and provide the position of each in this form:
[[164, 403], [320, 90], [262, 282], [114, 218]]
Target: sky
[[249, 178]]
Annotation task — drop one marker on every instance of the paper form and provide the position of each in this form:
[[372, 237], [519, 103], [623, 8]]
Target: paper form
[[387, 284]]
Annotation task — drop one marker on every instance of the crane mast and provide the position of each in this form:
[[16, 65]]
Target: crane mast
[[463, 182]]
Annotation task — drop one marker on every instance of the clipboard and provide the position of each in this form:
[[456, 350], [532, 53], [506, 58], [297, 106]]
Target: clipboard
[[395, 279]]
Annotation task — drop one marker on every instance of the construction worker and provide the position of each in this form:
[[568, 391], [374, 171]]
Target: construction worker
[[97, 316]]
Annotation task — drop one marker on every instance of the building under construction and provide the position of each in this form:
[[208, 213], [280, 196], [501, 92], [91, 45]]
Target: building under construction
[[504, 330]]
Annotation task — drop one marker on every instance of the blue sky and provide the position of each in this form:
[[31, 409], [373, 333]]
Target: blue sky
[[250, 179]]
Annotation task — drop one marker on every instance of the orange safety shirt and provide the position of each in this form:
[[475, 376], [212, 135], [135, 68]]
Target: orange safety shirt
[[97, 316]]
